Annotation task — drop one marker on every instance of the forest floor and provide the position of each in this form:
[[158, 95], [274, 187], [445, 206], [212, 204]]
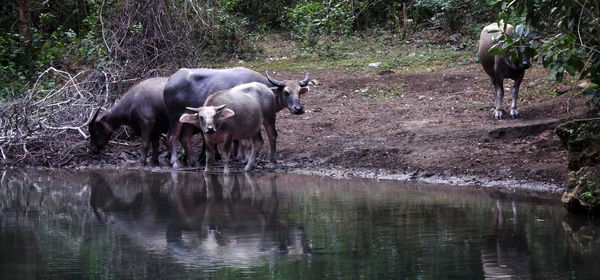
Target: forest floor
[[424, 113], [435, 125]]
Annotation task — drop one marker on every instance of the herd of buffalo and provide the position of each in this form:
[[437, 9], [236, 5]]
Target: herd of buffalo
[[229, 107]]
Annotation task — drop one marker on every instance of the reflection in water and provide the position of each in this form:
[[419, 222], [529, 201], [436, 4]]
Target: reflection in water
[[156, 225], [583, 233], [199, 221], [505, 254]]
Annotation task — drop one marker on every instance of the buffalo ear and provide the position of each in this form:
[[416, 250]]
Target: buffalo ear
[[303, 90], [225, 113], [275, 90], [190, 118], [103, 121]]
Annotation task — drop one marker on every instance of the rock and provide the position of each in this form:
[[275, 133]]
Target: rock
[[375, 64], [582, 194], [580, 138], [455, 37]]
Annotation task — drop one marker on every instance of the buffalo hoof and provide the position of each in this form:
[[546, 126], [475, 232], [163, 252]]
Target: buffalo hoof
[[192, 163], [514, 114], [176, 165], [497, 115]]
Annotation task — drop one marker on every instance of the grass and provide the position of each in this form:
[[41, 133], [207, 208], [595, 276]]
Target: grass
[[355, 53]]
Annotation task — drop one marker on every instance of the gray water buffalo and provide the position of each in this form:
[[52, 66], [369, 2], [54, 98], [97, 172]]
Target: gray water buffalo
[[499, 67], [142, 108], [248, 107], [190, 88], [201, 221]]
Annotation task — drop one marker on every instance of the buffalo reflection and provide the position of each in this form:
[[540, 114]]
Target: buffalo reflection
[[505, 253], [200, 221]]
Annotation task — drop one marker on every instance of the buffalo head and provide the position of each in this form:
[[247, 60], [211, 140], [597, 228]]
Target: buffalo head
[[525, 62], [100, 132], [207, 118], [288, 93]]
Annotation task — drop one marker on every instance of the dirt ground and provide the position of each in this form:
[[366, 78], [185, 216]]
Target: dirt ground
[[421, 125], [439, 125]]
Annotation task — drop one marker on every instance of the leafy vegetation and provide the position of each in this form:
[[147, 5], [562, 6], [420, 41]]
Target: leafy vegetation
[[128, 39], [569, 36]]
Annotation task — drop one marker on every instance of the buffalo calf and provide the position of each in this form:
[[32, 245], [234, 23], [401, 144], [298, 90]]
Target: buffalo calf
[[233, 115]]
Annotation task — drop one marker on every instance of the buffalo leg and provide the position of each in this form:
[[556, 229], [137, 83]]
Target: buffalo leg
[[257, 143], [173, 135], [210, 152], [145, 145], [187, 132], [226, 155], [155, 144], [498, 96], [515, 94], [272, 135]]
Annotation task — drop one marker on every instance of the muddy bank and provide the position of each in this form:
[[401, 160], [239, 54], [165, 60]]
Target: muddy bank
[[428, 126]]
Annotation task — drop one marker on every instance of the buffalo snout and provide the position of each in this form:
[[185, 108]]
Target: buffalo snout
[[210, 129], [95, 150], [298, 110]]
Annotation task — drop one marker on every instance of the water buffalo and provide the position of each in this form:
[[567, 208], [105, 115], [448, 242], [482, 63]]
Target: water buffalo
[[198, 220], [248, 106], [190, 88], [142, 108], [499, 67]]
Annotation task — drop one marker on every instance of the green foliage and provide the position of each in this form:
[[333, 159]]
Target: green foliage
[[62, 35], [308, 21], [259, 14], [513, 45], [571, 36], [591, 191], [452, 15]]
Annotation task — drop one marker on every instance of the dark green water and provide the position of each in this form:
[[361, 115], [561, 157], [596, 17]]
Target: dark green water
[[144, 225]]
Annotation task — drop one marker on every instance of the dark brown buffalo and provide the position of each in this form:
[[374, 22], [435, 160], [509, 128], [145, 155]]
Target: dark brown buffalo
[[142, 108]]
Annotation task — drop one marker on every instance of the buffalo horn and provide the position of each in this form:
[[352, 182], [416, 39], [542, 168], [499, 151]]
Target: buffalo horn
[[219, 108], [273, 81], [193, 109], [304, 82]]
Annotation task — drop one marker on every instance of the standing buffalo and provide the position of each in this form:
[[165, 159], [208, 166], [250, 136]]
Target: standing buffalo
[[190, 88], [499, 67], [248, 106], [142, 108]]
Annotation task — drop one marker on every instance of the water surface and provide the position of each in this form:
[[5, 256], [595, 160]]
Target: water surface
[[143, 225]]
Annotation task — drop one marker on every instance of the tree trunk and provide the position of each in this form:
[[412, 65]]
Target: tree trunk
[[24, 7]]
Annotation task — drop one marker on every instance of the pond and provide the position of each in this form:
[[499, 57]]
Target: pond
[[111, 224]]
